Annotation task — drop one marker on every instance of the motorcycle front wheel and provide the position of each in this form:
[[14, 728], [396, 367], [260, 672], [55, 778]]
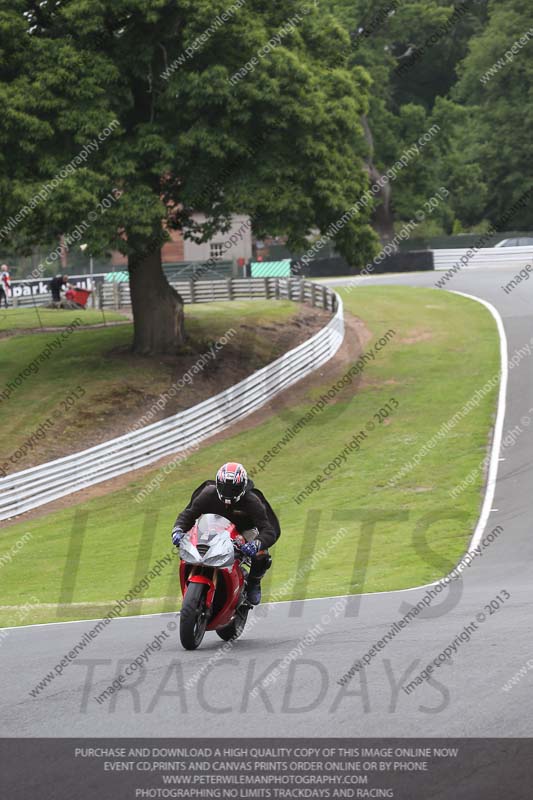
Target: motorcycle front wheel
[[193, 616], [236, 626]]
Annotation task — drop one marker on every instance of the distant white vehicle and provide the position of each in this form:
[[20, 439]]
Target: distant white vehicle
[[519, 241]]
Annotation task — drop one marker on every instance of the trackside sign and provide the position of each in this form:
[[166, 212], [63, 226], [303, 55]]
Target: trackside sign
[[37, 288]]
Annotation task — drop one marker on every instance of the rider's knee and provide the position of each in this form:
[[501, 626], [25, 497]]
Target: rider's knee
[[261, 563]]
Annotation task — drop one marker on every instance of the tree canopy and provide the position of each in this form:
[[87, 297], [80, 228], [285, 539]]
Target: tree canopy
[[283, 111], [283, 143], [426, 60]]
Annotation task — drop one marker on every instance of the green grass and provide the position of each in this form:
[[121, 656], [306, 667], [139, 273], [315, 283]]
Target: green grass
[[29, 318], [112, 381], [408, 534]]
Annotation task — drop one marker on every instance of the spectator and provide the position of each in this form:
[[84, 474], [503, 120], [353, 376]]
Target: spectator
[[5, 283], [296, 267], [56, 284]]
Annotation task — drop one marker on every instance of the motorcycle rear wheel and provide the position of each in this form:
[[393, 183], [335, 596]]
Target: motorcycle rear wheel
[[193, 616], [236, 626]]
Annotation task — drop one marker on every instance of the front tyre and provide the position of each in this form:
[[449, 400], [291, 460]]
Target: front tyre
[[193, 616], [236, 626]]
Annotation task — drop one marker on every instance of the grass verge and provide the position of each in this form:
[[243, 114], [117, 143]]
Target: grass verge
[[14, 319], [91, 388], [445, 348]]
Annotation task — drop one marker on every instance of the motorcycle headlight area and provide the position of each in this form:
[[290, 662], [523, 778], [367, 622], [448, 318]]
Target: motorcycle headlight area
[[220, 553]]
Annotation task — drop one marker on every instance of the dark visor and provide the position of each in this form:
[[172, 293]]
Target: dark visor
[[228, 491]]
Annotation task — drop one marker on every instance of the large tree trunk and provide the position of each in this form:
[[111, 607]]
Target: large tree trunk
[[158, 317], [383, 220]]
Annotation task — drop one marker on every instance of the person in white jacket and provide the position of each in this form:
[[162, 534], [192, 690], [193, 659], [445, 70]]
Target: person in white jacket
[[5, 284]]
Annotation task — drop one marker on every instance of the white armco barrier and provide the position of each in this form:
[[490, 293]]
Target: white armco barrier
[[516, 257], [37, 486]]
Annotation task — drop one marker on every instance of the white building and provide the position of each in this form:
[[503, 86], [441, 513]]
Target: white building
[[235, 244]]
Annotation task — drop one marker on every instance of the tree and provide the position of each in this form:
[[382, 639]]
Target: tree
[[495, 87], [220, 109], [411, 51]]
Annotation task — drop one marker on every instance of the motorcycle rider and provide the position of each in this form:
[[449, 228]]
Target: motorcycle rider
[[234, 496]]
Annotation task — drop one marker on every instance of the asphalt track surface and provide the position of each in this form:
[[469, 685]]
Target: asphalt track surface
[[209, 692]]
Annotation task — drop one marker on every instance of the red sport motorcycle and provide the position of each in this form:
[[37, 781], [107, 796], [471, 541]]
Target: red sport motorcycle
[[213, 575]]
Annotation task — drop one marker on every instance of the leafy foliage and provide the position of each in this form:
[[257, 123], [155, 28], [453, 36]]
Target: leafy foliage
[[500, 103], [426, 60], [283, 144]]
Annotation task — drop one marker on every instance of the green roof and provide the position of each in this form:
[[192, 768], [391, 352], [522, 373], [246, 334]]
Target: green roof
[[271, 269]]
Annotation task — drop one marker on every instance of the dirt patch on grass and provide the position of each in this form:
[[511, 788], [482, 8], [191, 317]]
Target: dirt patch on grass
[[199, 372], [248, 350], [417, 335], [356, 338], [376, 383]]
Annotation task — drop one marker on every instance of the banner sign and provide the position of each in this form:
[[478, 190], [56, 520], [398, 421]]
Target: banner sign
[[405, 769], [40, 287]]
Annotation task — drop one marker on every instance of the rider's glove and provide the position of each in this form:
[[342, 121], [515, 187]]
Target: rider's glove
[[177, 535], [238, 541], [251, 548]]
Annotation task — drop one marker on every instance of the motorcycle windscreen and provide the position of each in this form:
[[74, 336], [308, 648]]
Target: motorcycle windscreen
[[211, 525], [209, 542]]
